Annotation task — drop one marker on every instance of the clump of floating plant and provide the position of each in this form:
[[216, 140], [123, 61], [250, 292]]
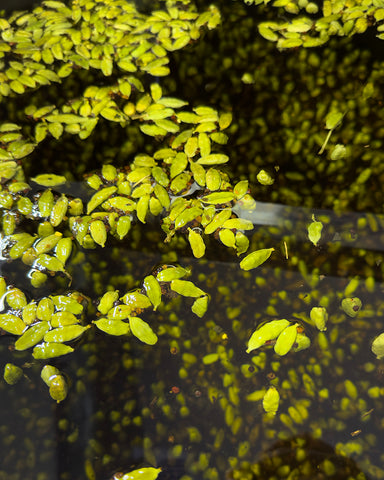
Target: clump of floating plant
[[181, 183], [126, 42], [314, 25], [178, 183], [52, 325]]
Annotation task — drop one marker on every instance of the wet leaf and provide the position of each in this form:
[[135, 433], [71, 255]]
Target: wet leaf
[[61, 319], [186, 288], [51, 350], [142, 208], [12, 324], [99, 197], [142, 330], [153, 290], [146, 473], [68, 303], [153, 130], [47, 243], [240, 189], [47, 262], [98, 232], [45, 203], [227, 237], [23, 242], [197, 243], [49, 180], [286, 340], [172, 102], [135, 300], [32, 336], [314, 231], [172, 273], [200, 305], [255, 259], [63, 249], [218, 221], [218, 198], [198, 172], [107, 301], [238, 224], [268, 331], [123, 226], [112, 327], [213, 179], [187, 216], [213, 159], [58, 388], [59, 211], [66, 333]]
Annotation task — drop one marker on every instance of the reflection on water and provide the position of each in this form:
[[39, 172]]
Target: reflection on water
[[172, 406]]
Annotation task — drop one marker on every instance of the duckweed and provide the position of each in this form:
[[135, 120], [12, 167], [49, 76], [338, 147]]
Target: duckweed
[[54, 239]]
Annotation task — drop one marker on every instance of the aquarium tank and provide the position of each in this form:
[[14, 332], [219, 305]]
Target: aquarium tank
[[192, 231]]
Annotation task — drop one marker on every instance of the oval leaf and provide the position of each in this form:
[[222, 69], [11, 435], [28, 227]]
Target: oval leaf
[[255, 259], [142, 330]]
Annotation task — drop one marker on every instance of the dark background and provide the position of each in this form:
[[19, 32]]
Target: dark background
[[10, 5]]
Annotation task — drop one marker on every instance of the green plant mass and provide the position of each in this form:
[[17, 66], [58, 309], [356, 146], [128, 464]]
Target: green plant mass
[[177, 243]]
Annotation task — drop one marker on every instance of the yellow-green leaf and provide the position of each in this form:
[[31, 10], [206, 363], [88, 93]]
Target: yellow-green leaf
[[142, 330], [255, 259], [49, 180], [271, 400]]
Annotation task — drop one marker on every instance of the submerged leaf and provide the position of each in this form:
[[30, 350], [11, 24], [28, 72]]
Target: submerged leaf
[[12, 373], [314, 231], [319, 316], [271, 400]]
